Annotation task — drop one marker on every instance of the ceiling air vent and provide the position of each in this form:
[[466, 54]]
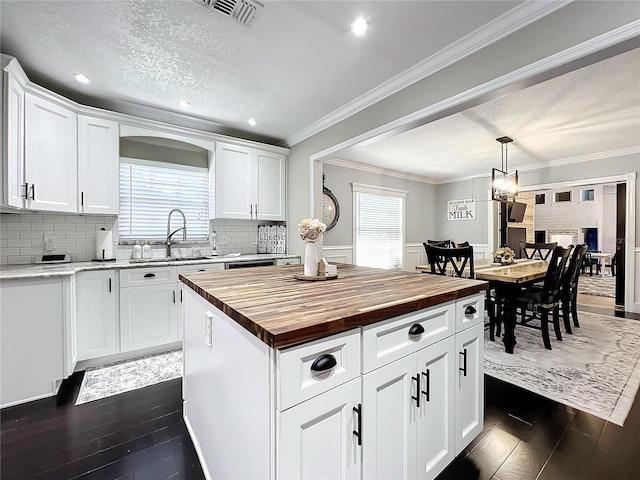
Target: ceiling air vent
[[242, 11]]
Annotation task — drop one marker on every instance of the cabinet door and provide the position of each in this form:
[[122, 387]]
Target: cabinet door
[[148, 316], [32, 343], [271, 186], [96, 314], [389, 415], [98, 165], [317, 439], [235, 181], [436, 422], [469, 385], [13, 143], [51, 167]]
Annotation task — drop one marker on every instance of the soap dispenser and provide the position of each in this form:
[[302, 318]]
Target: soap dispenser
[[137, 251], [146, 250]]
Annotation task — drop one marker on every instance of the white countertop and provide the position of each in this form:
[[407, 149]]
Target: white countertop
[[8, 272]]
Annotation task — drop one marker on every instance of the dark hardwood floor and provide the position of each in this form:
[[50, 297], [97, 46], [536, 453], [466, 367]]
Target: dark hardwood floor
[[141, 435]]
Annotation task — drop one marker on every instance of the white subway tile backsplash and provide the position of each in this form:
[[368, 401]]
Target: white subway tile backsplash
[[19, 242], [30, 218], [75, 235], [31, 233], [18, 226]]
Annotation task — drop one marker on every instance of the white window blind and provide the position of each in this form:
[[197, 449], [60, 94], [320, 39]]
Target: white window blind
[[150, 190], [379, 227]]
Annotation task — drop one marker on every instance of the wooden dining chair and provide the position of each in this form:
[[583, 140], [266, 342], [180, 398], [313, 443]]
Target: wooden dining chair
[[444, 261], [459, 245], [540, 251], [569, 294], [546, 300], [612, 266]]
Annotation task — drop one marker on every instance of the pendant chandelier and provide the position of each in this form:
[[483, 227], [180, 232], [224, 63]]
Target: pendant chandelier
[[504, 185]]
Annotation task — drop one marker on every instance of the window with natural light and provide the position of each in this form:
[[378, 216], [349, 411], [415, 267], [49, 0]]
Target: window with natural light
[[379, 226], [150, 190]]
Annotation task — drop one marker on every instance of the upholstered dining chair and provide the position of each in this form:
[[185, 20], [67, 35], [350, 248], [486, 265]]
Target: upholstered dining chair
[[546, 300], [444, 261], [569, 294], [540, 251]]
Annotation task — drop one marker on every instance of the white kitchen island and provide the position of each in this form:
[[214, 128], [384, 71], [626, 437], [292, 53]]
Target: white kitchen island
[[377, 374]]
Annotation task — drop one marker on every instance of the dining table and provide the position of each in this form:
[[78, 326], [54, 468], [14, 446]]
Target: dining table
[[508, 282]]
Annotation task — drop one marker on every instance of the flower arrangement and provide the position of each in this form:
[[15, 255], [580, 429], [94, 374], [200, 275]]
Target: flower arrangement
[[504, 256], [310, 230]]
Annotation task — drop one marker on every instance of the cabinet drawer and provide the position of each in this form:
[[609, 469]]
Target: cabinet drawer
[[384, 342], [469, 311], [201, 267], [302, 375], [288, 261], [134, 277]]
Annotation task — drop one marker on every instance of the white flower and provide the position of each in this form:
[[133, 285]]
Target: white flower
[[310, 229]]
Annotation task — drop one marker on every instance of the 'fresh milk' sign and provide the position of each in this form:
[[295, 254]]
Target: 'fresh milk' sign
[[461, 209]]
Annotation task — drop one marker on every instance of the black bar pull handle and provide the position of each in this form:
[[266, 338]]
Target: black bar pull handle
[[417, 397], [470, 310], [202, 270], [26, 191], [427, 389], [82, 198], [149, 275], [180, 295], [109, 284], [416, 329], [358, 431], [33, 191], [323, 363], [464, 362]]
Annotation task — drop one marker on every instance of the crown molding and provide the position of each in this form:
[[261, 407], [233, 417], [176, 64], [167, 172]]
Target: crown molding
[[378, 170], [533, 167], [495, 30], [593, 45]]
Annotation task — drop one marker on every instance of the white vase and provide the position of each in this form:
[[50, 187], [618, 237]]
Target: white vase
[[311, 259]]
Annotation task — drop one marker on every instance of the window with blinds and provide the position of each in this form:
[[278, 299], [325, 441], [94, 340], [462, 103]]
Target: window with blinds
[[150, 190], [379, 226]]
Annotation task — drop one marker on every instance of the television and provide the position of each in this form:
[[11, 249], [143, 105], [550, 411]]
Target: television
[[515, 211]]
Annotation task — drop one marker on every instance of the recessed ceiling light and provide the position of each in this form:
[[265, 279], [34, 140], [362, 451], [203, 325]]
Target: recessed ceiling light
[[359, 27], [253, 122], [81, 77], [184, 104]]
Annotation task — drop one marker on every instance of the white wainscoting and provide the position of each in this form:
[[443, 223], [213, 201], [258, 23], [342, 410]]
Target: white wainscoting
[[338, 253], [413, 255], [632, 300]]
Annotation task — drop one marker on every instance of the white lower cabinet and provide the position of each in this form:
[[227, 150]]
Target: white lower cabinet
[[408, 403], [469, 385], [148, 316], [396, 399], [32, 344], [317, 437], [97, 312]]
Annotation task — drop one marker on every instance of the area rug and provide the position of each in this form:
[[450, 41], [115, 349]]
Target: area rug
[[596, 370], [119, 377], [597, 285]]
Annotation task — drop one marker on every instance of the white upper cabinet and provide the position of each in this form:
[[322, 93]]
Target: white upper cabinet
[[51, 165], [98, 165], [250, 183], [13, 142]]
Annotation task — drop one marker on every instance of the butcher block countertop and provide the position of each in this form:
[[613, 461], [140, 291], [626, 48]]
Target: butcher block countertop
[[283, 311]]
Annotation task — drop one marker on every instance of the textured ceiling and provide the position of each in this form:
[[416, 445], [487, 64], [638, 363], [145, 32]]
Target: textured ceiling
[[295, 64], [296, 67], [592, 111]]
